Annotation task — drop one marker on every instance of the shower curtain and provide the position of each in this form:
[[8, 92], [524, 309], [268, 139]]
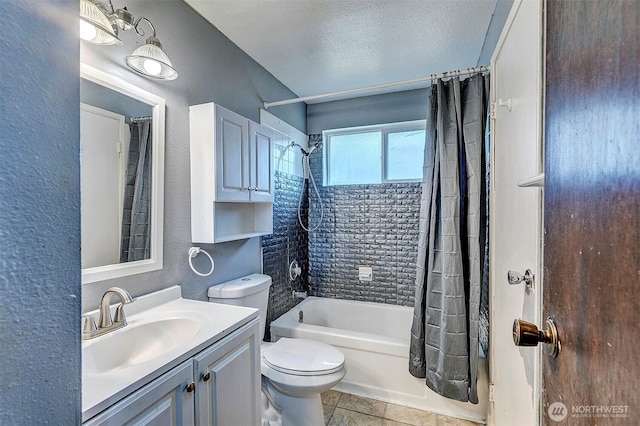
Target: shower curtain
[[136, 215], [452, 238]]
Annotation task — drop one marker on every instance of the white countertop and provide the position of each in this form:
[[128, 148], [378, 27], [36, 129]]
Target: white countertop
[[99, 391]]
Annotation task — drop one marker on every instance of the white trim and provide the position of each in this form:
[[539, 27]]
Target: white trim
[[157, 104], [496, 284]]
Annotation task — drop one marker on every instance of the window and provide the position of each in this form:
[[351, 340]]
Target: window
[[375, 154]]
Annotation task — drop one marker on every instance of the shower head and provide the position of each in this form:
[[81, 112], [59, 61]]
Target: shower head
[[304, 151]]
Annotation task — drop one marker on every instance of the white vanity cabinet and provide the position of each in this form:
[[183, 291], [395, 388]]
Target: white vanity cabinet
[[232, 186], [164, 401], [228, 391], [218, 386]]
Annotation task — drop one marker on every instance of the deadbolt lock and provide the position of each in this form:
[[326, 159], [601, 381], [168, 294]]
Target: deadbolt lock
[[527, 334]]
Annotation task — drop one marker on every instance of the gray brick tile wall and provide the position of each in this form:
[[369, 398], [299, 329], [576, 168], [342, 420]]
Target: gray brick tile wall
[[287, 243], [364, 225]]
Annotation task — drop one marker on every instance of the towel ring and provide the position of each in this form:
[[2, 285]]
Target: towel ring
[[194, 252]]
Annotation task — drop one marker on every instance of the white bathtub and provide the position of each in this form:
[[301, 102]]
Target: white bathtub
[[374, 338]]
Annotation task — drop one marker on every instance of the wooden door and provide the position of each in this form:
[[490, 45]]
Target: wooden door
[[592, 211]]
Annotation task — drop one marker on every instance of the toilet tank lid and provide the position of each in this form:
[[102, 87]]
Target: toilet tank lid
[[240, 287]]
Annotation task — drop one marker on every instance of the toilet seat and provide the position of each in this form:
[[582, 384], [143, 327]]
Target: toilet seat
[[303, 357]]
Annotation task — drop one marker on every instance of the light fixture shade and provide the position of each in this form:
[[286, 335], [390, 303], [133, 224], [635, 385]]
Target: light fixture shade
[[95, 26], [150, 61]]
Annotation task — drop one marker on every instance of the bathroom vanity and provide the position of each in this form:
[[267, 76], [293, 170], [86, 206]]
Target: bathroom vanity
[[177, 361]]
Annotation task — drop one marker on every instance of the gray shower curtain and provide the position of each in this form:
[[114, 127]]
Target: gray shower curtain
[[136, 215], [451, 248]]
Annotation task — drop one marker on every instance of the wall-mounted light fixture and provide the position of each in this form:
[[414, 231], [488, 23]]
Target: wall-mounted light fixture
[[99, 24]]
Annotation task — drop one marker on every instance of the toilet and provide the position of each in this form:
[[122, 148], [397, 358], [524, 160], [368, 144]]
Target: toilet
[[294, 371]]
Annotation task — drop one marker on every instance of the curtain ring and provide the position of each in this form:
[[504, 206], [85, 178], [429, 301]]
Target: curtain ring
[[194, 252]]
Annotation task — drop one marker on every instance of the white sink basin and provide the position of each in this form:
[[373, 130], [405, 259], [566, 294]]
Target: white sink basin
[[136, 343], [163, 331]]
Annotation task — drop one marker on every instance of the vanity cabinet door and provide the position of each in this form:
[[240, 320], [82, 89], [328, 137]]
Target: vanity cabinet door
[[261, 162], [165, 401], [228, 379], [232, 156]]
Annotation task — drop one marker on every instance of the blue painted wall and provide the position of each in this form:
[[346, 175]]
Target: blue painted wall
[[211, 69], [40, 184], [39, 213], [388, 108], [498, 19]]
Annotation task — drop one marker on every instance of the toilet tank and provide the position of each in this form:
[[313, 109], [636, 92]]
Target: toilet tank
[[251, 291]]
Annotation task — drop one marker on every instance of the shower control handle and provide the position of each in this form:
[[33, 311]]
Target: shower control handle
[[528, 334]]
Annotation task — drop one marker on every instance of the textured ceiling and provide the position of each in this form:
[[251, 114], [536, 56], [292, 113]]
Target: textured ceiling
[[320, 46]]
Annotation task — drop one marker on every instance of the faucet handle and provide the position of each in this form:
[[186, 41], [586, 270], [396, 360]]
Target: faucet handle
[[119, 314], [88, 324]]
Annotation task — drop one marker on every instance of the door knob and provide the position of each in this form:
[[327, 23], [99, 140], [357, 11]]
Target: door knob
[[527, 334], [516, 278]]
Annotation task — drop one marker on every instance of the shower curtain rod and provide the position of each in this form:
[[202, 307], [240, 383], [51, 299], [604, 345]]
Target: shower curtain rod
[[267, 105]]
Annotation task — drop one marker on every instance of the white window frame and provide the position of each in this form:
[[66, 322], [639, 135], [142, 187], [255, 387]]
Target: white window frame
[[384, 129]]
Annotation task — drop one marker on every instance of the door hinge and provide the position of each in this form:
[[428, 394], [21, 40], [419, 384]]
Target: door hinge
[[493, 111], [118, 148], [491, 393]]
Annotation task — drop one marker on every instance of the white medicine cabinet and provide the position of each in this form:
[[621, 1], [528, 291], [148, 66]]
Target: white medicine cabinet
[[232, 186]]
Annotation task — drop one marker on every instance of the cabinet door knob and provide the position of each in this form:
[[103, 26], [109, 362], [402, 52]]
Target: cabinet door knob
[[191, 387], [206, 377]]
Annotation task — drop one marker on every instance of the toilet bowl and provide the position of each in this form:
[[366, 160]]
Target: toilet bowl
[[294, 371]]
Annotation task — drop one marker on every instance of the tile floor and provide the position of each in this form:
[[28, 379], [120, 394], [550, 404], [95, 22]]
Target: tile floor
[[343, 409]]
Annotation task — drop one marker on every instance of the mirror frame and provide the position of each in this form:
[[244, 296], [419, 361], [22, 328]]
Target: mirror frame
[[157, 104]]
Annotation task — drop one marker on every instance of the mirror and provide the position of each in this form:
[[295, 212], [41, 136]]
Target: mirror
[[122, 183]]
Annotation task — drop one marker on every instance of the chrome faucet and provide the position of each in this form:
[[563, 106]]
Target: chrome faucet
[[106, 323]]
